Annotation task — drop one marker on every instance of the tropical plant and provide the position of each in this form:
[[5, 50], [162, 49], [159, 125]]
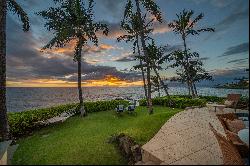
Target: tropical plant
[[198, 73], [185, 25], [73, 21], [157, 58], [131, 27], [134, 6], [24, 122], [14, 7], [156, 85], [195, 68]]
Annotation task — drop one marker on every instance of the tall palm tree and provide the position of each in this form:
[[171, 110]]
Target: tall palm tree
[[185, 25], [157, 58], [73, 20], [15, 8], [151, 7], [131, 26]]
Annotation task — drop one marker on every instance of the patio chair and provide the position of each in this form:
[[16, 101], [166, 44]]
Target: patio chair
[[120, 108], [131, 108], [231, 155], [232, 100]]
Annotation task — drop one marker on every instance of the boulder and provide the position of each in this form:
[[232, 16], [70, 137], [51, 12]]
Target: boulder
[[130, 150]]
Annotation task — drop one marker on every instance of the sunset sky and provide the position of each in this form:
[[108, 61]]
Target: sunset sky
[[225, 52]]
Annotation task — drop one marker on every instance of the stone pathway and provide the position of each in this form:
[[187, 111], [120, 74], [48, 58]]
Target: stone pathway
[[186, 139], [58, 119]]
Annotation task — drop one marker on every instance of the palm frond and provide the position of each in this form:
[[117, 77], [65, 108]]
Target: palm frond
[[17, 9], [153, 8]]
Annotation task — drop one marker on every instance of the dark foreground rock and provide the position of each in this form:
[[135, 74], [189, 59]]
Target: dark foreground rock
[[128, 147]]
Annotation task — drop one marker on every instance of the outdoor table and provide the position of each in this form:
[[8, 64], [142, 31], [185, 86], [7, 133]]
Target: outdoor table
[[219, 106], [244, 135]]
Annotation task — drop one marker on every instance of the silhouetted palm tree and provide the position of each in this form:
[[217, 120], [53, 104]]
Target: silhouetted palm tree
[[157, 58], [131, 26], [13, 6], [151, 7], [185, 25], [73, 20]]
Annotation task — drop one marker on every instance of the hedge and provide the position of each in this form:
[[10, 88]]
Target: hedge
[[178, 102], [182, 101], [22, 123], [208, 98]]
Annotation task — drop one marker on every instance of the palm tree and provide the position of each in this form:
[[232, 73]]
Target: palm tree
[[151, 7], [156, 84], [15, 8], [185, 26], [198, 73], [73, 20], [157, 58], [131, 26]]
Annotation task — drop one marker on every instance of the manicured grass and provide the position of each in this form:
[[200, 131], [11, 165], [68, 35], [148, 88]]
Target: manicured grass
[[84, 140]]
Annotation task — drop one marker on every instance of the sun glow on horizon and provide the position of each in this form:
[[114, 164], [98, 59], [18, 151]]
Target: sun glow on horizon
[[109, 80]]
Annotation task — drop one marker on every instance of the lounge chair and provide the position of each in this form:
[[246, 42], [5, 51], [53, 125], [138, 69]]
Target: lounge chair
[[120, 108], [232, 100], [231, 155]]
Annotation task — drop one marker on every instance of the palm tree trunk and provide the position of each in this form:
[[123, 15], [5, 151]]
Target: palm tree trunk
[[195, 90], [142, 70], [187, 67], [4, 129], [158, 89], [142, 37], [192, 89], [81, 106], [164, 86], [189, 91]]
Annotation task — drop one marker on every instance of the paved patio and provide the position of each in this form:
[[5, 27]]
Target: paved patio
[[186, 139]]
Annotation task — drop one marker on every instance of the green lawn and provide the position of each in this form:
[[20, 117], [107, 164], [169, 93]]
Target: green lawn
[[84, 140]]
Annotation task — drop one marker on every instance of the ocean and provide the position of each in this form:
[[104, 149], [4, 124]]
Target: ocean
[[20, 99]]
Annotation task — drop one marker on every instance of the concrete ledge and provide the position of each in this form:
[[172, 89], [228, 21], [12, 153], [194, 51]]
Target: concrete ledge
[[4, 152], [186, 138]]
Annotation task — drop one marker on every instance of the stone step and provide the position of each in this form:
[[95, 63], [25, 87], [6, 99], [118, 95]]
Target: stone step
[[148, 157]]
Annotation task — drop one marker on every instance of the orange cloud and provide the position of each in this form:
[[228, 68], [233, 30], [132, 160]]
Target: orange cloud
[[109, 80], [41, 83], [160, 28], [70, 47], [114, 33]]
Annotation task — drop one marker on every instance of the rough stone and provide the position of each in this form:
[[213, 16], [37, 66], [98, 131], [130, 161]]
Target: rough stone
[[130, 150]]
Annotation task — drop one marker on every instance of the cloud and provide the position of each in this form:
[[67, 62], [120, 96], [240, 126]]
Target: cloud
[[227, 75], [161, 28], [113, 9], [241, 48], [235, 16], [88, 49], [232, 18], [171, 48], [115, 30], [127, 57], [239, 61], [216, 3], [204, 58], [26, 62]]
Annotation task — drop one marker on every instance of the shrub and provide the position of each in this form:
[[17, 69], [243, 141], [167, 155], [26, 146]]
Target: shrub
[[178, 102], [213, 98], [21, 123], [182, 101]]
